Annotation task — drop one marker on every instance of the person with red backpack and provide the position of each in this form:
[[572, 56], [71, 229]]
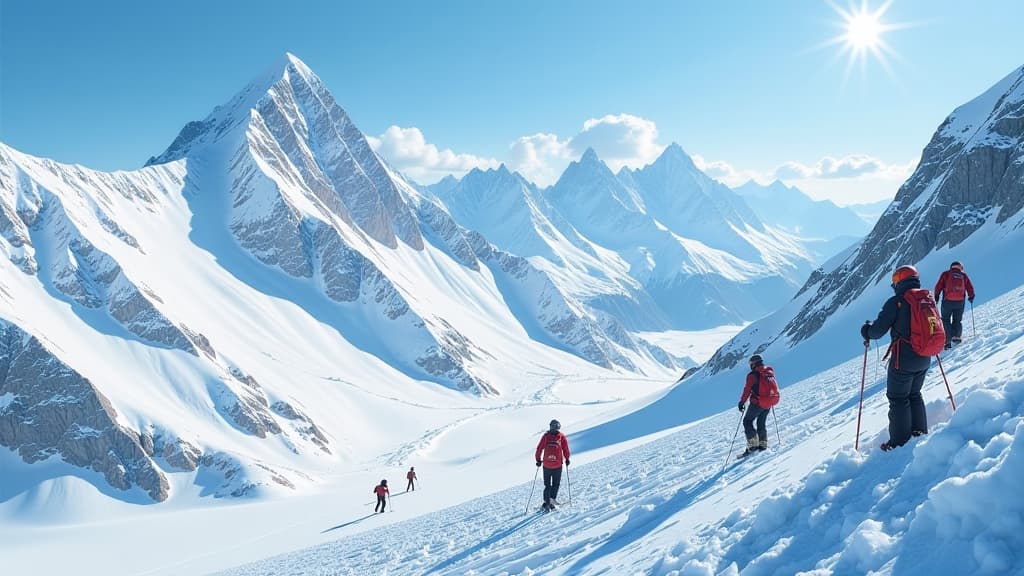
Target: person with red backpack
[[411, 477], [954, 285], [382, 494], [763, 391], [552, 450], [912, 322]]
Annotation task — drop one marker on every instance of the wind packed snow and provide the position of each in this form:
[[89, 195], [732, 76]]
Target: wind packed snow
[[948, 503]]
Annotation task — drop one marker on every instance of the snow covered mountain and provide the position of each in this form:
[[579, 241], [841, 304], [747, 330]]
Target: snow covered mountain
[[694, 246], [871, 211], [963, 202], [198, 306], [827, 229], [789, 208]]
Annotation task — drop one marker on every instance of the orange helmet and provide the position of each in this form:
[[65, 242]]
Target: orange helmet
[[902, 273]]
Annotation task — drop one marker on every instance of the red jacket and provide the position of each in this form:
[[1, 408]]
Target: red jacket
[[748, 389], [381, 490], [554, 448], [947, 283], [411, 475]]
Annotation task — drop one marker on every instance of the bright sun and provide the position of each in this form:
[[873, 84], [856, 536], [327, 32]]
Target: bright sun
[[863, 33]]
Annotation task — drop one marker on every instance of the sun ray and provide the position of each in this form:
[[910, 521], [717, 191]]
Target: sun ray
[[862, 37]]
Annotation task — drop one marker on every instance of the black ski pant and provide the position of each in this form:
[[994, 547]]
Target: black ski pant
[[755, 412], [552, 480], [410, 486], [907, 413], [381, 502], [952, 316]]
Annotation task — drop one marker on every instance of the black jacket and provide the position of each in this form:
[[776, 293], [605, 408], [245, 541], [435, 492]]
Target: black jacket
[[895, 319]]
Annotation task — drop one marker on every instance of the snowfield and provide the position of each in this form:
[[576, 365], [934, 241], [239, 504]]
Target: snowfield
[[947, 503]]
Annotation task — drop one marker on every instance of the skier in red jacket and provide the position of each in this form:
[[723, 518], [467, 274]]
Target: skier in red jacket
[[411, 477], [552, 449], [763, 396], [953, 285], [382, 493]]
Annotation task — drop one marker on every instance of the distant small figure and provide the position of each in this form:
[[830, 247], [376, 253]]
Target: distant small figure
[[411, 477], [552, 450], [763, 391], [953, 286], [382, 493]]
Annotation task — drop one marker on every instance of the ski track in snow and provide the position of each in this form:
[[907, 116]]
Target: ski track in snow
[[543, 397], [811, 504]]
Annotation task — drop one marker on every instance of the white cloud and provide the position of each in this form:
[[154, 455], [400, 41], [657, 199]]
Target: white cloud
[[409, 152], [541, 158], [620, 140], [850, 166], [853, 179], [727, 173]]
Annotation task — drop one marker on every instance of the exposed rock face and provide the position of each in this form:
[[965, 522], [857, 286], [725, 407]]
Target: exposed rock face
[[242, 400], [238, 479], [304, 425], [47, 409], [442, 226], [562, 318], [181, 454]]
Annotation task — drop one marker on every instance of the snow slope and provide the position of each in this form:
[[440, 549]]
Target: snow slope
[[812, 504]]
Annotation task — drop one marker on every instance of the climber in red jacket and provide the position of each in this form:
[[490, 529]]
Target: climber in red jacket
[[552, 450]]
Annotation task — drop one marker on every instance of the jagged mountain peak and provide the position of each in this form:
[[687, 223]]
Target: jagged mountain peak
[[589, 168], [673, 154], [589, 155], [285, 75]]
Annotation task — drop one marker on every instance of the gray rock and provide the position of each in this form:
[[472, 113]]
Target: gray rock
[[57, 412]]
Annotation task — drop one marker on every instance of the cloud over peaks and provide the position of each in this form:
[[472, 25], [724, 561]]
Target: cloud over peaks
[[409, 152]]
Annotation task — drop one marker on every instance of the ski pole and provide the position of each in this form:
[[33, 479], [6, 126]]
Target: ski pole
[[950, 392], [533, 486], [777, 435], [974, 329], [733, 442], [391, 508], [860, 405], [568, 485]]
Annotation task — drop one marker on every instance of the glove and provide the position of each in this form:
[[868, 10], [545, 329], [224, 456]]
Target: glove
[[971, 299], [864, 331], [566, 461], [538, 463], [742, 406]]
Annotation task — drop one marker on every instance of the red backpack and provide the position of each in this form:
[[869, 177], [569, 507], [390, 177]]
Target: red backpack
[[927, 336], [767, 387], [956, 287]]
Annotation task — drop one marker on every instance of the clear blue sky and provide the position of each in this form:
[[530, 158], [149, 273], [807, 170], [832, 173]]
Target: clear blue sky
[[109, 83]]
